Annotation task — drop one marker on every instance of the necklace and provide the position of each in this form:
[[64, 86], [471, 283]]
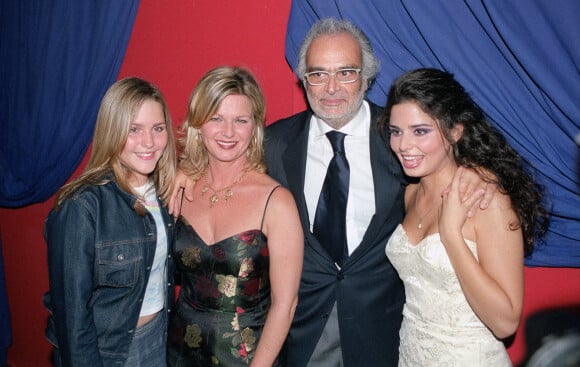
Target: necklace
[[229, 192], [422, 216]]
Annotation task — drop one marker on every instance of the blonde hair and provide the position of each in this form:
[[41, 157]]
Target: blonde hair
[[117, 112], [204, 102]]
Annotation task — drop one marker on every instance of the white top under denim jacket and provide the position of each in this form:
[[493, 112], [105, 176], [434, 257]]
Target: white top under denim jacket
[[154, 298]]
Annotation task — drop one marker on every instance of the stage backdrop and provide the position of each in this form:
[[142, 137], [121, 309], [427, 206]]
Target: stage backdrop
[[172, 44]]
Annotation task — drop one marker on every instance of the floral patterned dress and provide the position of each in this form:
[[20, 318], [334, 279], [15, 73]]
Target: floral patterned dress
[[225, 295]]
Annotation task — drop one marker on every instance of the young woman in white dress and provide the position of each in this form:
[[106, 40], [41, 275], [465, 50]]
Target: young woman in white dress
[[463, 274]]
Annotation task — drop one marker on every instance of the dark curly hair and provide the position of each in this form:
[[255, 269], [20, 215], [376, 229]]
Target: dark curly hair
[[481, 147]]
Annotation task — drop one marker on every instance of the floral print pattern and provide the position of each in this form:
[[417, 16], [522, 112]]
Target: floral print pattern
[[193, 336], [221, 309], [191, 257], [246, 268]]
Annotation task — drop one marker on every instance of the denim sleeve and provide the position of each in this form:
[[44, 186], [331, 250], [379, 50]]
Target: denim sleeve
[[70, 237]]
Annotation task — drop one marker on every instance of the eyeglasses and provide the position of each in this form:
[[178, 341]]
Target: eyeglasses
[[321, 77]]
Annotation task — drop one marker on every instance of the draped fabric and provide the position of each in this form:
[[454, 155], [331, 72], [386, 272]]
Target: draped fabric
[[57, 59], [520, 62]]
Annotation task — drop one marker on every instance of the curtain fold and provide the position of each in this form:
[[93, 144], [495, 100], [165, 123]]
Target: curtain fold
[[520, 63], [57, 59]]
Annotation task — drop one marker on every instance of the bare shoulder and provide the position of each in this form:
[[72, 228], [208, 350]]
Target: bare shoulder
[[267, 187], [498, 215], [500, 202], [281, 198], [281, 221]]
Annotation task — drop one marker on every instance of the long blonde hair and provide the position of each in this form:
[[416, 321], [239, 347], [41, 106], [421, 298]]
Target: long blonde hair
[[204, 102], [117, 112]]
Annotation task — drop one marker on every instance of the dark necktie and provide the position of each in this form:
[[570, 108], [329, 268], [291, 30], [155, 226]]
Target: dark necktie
[[330, 218]]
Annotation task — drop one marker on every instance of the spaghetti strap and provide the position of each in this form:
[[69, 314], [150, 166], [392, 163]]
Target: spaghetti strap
[[181, 202], [266, 206]]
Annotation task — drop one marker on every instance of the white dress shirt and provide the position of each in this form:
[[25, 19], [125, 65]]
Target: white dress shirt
[[361, 194]]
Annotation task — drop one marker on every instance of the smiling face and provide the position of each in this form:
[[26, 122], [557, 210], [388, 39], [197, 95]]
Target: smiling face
[[228, 132], [418, 142], [333, 102], [145, 143]]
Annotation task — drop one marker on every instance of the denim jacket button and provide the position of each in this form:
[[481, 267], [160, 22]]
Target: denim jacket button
[[120, 257]]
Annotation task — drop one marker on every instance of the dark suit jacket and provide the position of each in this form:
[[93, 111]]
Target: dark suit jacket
[[367, 290]]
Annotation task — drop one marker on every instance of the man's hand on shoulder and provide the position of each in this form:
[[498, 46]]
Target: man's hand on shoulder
[[183, 186], [470, 182]]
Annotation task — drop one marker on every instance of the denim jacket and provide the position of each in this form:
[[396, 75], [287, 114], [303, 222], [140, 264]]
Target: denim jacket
[[100, 253]]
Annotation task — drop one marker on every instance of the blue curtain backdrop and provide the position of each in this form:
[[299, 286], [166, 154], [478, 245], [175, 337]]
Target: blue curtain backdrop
[[57, 59], [520, 60]]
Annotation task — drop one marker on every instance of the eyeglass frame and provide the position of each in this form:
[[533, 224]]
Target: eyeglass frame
[[332, 74]]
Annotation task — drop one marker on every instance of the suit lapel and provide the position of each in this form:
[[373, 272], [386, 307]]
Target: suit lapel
[[294, 163], [386, 185], [380, 164]]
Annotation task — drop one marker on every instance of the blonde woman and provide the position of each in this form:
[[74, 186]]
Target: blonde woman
[[108, 237], [239, 242]]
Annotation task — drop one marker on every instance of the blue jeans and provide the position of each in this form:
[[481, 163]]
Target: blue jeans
[[148, 348]]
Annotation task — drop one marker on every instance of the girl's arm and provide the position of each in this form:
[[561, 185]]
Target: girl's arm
[[69, 234], [286, 245], [494, 285]]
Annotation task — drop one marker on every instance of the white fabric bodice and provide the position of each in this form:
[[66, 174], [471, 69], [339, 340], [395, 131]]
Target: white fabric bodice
[[439, 327]]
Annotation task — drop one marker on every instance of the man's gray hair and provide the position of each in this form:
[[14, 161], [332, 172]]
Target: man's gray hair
[[333, 26]]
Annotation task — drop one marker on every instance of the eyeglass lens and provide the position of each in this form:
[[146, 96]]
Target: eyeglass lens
[[341, 75]]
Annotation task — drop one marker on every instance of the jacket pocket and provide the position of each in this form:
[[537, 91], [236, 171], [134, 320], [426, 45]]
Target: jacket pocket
[[118, 263]]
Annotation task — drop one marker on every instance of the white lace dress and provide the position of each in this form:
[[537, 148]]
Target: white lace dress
[[439, 327]]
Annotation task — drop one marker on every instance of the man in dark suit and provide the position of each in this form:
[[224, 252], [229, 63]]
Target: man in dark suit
[[348, 314]]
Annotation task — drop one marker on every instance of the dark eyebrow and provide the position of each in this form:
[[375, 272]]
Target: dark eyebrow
[[319, 68]]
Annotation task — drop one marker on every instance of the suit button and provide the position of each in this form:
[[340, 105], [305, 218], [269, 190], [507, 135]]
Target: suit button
[[325, 316]]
